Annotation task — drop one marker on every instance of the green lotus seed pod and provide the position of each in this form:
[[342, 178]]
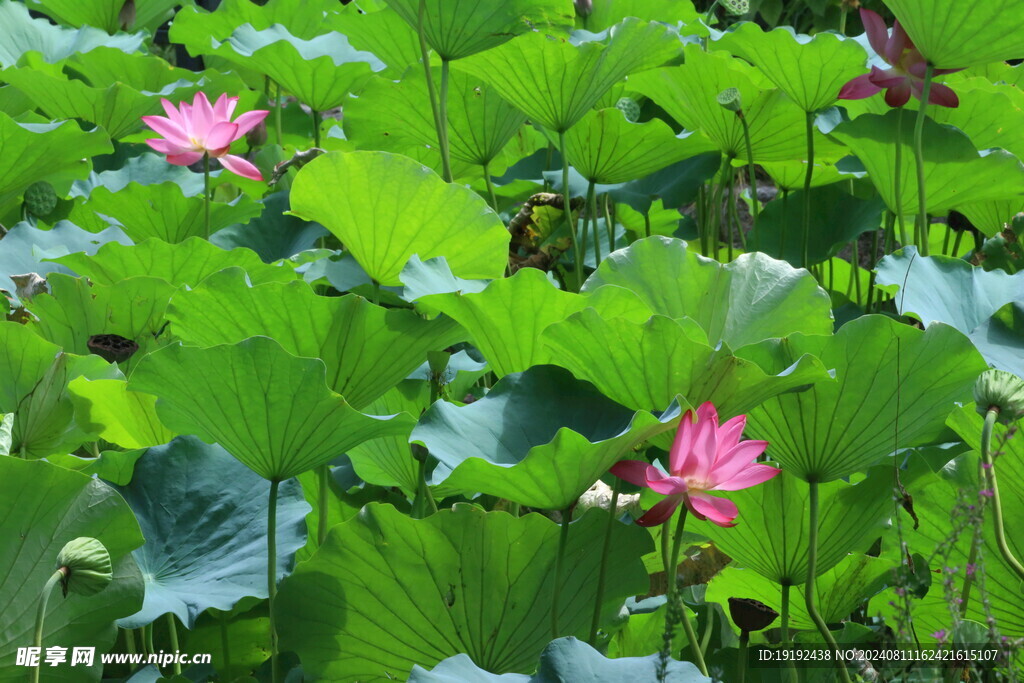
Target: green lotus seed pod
[[730, 99], [629, 108], [1001, 390], [87, 566], [736, 7], [40, 199]]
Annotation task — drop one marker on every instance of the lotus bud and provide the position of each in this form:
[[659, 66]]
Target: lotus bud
[[1002, 391], [86, 566], [629, 108], [40, 199], [751, 615], [584, 7], [730, 99]]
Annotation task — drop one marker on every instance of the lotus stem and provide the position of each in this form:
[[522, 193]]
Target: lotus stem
[[997, 509], [272, 573], [956, 242], [922, 196], [225, 644], [563, 540], [871, 273], [609, 224], [129, 640], [898, 179], [592, 217], [807, 188], [446, 159], [316, 127], [44, 598], [782, 232], [277, 113], [206, 193], [323, 474], [490, 188], [647, 223], [673, 592], [602, 573], [446, 172], [744, 640], [730, 224], [172, 633], [810, 588], [755, 204], [972, 556], [787, 643], [577, 247]]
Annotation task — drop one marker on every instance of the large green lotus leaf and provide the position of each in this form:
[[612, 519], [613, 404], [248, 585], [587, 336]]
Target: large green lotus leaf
[[672, 12], [564, 435], [105, 13], [164, 212], [643, 365], [33, 385], [992, 217], [506, 319], [883, 369], [73, 311], [42, 507], [954, 171], [564, 659], [955, 35], [1001, 338], [387, 592], [837, 218], [147, 168], [811, 70], [36, 151], [555, 82], [385, 208], [195, 27], [273, 234], [320, 71], [382, 32], [945, 289], [790, 175], [395, 117], [29, 250], [268, 408], [989, 114], [187, 263], [771, 536], [388, 461], [753, 298], [367, 349], [204, 516], [122, 417], [840, 590], [606, 148], [455, 30], [688, 94], [20, 33]]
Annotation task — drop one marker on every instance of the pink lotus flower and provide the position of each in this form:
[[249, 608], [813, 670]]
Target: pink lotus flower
[[704, 457], [191, 131], [907, 73]]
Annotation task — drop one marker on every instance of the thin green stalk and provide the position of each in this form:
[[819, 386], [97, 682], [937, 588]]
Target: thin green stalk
[[129, 640], [755, 204], [871, 274], [423, 504], [577, 247], [206, 193], [44, 598], [853, 277], [446, 159], [787, 643], [898, 180], [376, 293], [149, 638], [277, 113], [785, 219], [716, 210], [434, 107], [563, 541], [807, 188], [673, 593], [172, 633], [856, 267], [272, 573], [647, 223], [225, 644], [315, 115], [323, 474], [490, 188], [922, 192], [142, 639], [592, 217], [744, 639], [810, 587], [956, 242], [731, 204], [945, 240], [602, 573], [609, 224], [513, 508], [997, 508], [842, 19], [972, 557]]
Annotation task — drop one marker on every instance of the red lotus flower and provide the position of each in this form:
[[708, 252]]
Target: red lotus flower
[[191, 131], [907, 73], [704, 457]]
